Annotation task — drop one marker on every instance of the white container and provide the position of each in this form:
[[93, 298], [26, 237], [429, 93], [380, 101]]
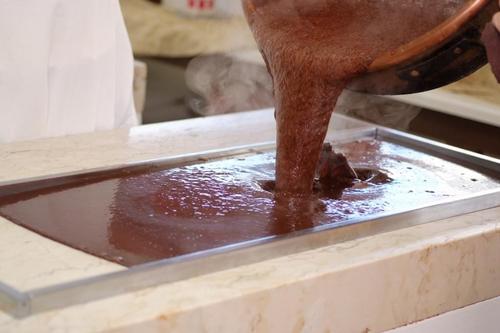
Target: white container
[[205, 8]]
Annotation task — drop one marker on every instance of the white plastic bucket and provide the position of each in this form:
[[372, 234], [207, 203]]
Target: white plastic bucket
[[205, 8]]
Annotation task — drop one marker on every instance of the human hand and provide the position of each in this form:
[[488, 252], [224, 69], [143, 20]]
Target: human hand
[[491, 39], [496, 19]]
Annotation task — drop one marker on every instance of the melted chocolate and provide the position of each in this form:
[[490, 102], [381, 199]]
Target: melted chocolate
[[138, 216], [312, 49]]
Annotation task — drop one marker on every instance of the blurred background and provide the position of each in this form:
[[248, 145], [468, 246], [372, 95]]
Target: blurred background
[[197, 58]]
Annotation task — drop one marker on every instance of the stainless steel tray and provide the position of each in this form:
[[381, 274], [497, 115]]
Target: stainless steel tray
[[24, 303]]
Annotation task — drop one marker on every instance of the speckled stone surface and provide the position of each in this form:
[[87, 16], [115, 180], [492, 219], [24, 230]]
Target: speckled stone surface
[[366, 285]]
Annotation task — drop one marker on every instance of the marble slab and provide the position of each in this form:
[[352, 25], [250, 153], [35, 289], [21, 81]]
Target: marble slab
[[29, 261], [367, 285], [481, 317]]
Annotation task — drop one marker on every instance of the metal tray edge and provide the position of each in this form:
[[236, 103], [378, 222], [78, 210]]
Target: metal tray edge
[[22, 304]]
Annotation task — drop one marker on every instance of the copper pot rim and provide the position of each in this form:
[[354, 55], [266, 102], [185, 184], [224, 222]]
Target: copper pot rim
[[435, 37]]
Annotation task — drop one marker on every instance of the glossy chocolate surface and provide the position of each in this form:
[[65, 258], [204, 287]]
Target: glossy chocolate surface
[[137, 217]]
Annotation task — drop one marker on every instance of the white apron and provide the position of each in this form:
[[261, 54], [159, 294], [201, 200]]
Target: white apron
[[66, 67]]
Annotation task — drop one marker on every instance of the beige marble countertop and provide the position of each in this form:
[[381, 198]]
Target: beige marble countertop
[[366, 285]]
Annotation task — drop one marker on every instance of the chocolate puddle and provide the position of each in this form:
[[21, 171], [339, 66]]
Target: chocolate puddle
[[134, 217]]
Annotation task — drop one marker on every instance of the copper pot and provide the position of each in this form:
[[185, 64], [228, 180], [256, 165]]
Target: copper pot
[[446, 54]]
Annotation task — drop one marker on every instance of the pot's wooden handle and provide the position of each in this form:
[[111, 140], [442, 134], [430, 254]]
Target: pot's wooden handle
[[491, 39]]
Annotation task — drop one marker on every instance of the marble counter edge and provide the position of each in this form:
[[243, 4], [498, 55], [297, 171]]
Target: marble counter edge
[[375, 283], [308, 283]]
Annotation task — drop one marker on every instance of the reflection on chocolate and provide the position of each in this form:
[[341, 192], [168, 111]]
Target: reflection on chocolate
[[312, 49], [137, 217]]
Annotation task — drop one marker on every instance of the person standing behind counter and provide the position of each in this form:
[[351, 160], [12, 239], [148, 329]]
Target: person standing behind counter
[[66, 67]]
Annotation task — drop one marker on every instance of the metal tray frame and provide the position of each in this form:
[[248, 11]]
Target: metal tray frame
[[21, 304]]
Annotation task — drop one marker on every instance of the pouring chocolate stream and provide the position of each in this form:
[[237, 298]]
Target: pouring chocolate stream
[[312, 49]]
